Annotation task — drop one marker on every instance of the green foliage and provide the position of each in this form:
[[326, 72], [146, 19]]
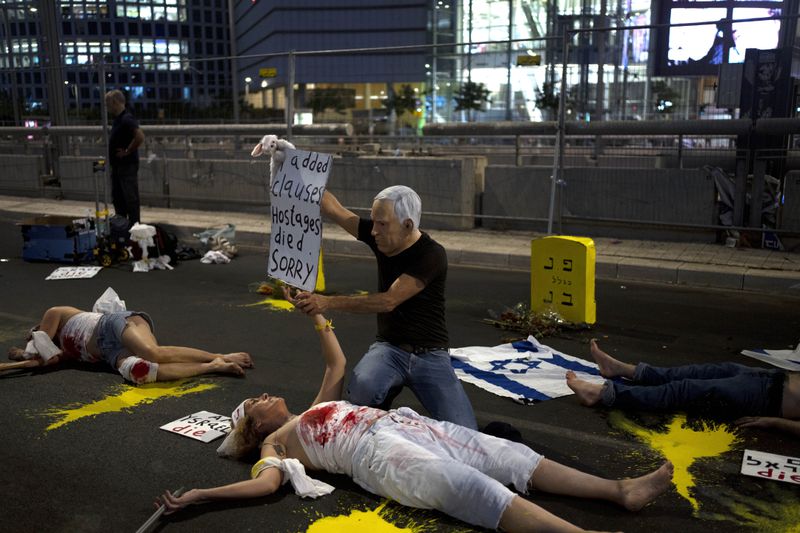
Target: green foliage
[[666, 98], [331, 98], [405, 100], [471, 96], [547, 98], [521, 319]]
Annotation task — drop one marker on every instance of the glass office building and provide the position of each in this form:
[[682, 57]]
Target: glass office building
[[173, 57], [146, 46]]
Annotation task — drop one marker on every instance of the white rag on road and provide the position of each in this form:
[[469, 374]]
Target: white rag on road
[[526, 371], [214, 256]]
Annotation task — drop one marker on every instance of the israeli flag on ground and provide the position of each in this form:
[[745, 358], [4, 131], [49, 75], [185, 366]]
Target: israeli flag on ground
[[786, 359], [526, 371]]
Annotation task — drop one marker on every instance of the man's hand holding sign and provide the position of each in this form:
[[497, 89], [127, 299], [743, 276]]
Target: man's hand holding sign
[[296, 239]]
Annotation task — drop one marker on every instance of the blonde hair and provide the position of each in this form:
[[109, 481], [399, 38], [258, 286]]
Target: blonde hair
[[248, 438]]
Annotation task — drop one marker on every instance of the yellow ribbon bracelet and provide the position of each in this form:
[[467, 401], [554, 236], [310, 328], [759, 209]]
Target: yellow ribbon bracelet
[[327, 325]]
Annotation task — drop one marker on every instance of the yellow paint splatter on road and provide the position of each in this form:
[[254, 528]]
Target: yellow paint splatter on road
[[775, 510], [126, 397], [776, 515], [274, 303], [386, 518], [366, 521], [682, 445]]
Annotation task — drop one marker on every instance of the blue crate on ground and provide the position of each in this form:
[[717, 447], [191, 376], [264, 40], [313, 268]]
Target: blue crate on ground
[[58, 238]]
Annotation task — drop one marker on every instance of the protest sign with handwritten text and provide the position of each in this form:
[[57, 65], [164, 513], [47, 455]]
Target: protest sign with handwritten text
[[771, 466], [203, 425], [296, 222]]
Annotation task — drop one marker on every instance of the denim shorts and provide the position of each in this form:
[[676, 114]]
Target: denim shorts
[[109, 335]]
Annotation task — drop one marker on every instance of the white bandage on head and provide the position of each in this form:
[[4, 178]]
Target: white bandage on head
[[233, 445], [42, 345], [294, 471], [138, 370], [237, 414]]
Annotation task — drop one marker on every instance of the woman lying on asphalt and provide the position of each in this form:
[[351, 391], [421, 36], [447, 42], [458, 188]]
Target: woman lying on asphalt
[[124, 340], [399, 454], [756, 397]]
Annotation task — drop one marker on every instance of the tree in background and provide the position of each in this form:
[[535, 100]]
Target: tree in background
[[398, 103], [666, 98], [471, 96], [334, 98], [548, 99]]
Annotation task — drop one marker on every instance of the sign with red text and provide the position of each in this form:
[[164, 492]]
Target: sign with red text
[[296, 235], [771, 466], [203, 426]]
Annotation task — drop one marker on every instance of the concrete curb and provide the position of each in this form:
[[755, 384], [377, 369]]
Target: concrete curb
[[634, 262]]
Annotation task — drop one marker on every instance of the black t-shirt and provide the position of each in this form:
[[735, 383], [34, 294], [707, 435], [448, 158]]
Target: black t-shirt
[[419, 321], [123, 130]]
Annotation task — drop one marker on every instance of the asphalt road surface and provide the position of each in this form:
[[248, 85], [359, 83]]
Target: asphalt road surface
[[101, 473]]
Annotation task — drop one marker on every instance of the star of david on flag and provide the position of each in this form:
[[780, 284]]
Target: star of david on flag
[[526, 371]]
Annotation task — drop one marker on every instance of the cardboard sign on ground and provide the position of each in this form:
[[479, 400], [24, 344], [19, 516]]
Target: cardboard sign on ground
[[76, 272], [771, 466], [203, 426]]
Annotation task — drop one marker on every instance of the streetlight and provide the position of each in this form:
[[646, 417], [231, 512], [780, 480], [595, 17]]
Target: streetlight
[[247, 81], [264, 93]]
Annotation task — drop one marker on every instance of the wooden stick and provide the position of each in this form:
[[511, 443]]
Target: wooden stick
[[30, 363], [155, 516]]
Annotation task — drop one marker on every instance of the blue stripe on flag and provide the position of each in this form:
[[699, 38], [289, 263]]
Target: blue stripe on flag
[[500, 381], [571, 365], [524, 346]]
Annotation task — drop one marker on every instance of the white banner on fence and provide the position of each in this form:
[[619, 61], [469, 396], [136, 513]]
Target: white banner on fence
[[296, 222], [771, 466], [203, 426], [77, 272]]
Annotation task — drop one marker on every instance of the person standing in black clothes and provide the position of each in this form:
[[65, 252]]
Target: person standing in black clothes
[[123, 146]]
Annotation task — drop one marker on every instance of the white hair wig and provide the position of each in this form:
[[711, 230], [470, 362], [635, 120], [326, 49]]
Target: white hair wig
[[407, 205]]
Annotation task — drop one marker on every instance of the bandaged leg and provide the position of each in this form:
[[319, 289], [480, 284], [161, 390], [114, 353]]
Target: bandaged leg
[[41, 345], [138, 370]]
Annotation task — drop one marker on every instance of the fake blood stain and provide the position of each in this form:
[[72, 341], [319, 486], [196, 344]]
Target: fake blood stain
[[317, 419], [124, 398]]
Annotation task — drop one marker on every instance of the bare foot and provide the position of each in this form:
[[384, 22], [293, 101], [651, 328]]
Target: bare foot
[[242, 359], [639, 491], [225, 367], [610, 367], [588, 393], [16, 354]]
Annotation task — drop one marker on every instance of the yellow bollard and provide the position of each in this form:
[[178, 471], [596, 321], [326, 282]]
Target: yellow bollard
[[562, 278], [320, 287]]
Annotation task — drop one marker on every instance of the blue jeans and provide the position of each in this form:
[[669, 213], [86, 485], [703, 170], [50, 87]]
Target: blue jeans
[[727, 388], [383, 371], [109, 334]]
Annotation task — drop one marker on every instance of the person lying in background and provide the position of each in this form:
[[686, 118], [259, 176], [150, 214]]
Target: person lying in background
[[754, 397], [124, 340]]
